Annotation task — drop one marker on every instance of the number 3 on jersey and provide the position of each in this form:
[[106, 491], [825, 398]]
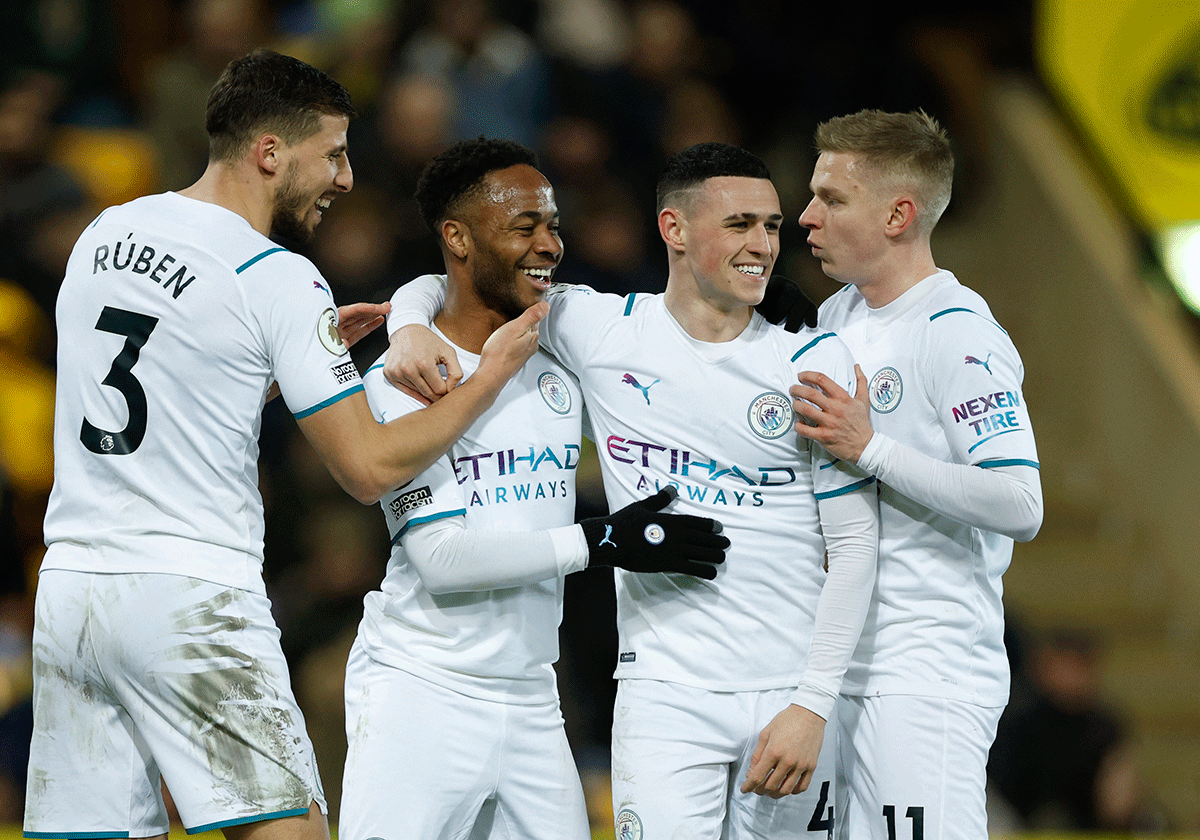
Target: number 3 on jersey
[[136, 328]]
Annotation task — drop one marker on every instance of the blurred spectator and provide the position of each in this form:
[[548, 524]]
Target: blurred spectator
[[39, 199], [352, 40], [177, 83], [593, 34], [76, 43], [1063, 759], [500, 77], [411, 121]]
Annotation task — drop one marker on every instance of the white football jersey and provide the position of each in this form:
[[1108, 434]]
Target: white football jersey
[[945, 379], [512, 470], [715, 420], [174, 319]]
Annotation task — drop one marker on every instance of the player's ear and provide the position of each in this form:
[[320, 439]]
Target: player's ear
[[902, 216], [457, 237], [672, 228], [267, 153]]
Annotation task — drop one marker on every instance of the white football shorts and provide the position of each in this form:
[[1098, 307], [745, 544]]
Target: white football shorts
[[429, 763], [137, 675], [915, 768], [680, 755]]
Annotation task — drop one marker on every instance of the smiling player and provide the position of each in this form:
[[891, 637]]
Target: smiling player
[[155, 653], [454, 657], [725, 686]]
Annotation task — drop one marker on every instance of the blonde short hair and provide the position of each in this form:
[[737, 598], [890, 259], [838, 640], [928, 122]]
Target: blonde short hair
[[901, 148]]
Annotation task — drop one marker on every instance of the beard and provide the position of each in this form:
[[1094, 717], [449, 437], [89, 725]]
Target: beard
[[494, 282], [291, 207]]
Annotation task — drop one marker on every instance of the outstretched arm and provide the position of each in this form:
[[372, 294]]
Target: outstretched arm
[[1004, 498], [640, 537], [368, 458]]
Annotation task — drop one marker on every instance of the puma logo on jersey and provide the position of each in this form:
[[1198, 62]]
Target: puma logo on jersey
[[971, 360], [630, 379], [607, 534]]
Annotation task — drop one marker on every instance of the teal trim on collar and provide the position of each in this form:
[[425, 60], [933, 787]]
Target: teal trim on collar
[[812, 344], [937, 315]]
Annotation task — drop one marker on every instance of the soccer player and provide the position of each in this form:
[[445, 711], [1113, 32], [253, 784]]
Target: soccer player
[[725, 686], [454, 657], [939, 418], [155, 654]]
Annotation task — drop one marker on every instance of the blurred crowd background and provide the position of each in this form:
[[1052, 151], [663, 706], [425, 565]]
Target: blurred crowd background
[[103, 100]]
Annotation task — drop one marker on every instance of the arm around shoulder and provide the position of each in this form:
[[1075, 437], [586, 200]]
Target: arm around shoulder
[[368, 458]]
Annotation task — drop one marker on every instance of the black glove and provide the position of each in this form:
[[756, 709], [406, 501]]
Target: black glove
[[640, 538], [783, 299]]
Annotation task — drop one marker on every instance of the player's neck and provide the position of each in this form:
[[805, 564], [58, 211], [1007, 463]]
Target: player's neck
[[465, 320], [895, 277], [224, 186], [706, 320]]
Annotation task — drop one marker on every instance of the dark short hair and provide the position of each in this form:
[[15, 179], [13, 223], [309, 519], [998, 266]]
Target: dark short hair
[[268, 92], [457, 174], [691, 167]]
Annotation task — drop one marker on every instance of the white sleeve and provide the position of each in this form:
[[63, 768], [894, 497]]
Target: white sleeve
[[1006, 499], [452, 558], [417, 302], [850, 523]]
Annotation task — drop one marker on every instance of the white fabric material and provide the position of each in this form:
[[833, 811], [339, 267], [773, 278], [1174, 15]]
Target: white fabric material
[[906, 760], [945, 382], [737, 460], [427, 762], [680, 755], [487, 630], [726, 636], [1007, 500], [123, 693], [850, 524], [228, 313], [449, 557]]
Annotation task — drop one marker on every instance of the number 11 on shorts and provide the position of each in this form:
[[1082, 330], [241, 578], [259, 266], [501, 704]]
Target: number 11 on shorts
[[915, 813]]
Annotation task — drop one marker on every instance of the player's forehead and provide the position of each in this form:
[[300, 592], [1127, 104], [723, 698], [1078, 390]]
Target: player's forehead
[[517, 191], [330, 135], [737, 197], [841, 171]]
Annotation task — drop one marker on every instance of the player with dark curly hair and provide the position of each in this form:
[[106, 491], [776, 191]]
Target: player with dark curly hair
[[454, 657]]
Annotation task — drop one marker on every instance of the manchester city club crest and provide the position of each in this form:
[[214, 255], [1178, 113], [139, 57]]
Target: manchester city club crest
[[886, 390], [554, 391], [628, 825], [770, 415]]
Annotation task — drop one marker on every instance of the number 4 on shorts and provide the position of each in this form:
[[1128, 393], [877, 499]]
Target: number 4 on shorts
[[822, 819]]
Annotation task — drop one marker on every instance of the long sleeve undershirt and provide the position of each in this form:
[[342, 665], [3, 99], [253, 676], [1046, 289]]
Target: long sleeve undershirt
[[1007, 500], [850, 524], [452, 558]]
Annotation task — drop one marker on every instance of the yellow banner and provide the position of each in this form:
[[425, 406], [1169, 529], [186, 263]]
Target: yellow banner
[[1128, 73]]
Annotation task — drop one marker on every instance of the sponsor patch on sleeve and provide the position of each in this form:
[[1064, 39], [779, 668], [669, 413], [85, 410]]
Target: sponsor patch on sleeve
[[413, 499]]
